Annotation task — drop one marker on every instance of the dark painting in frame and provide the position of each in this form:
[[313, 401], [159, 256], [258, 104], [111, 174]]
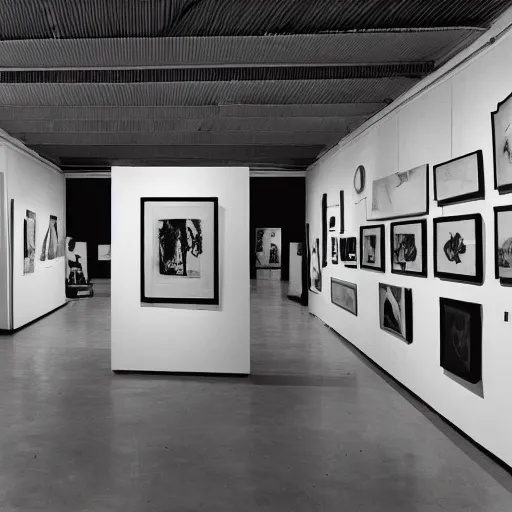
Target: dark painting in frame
[[324, 231], [342, 212], [344, 295], [334, 250], [501, 122], [372, 250], [503, 244], [308, 256], [395, 311], [348, 251], [409, 248]]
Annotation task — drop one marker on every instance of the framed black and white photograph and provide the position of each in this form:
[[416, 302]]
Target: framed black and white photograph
[[29, 242], [268, 248], [179, 250], [409, 248], [501, 120], [503, 244], [344, 295], [395, 311], [324, 231], [348, 251], [334, 250], [76, 262], [372, 247], [458, 248], [53, 242], [460, 180], [461, 338], [316, 268], [332, 223], [342, 212], [308, 257]]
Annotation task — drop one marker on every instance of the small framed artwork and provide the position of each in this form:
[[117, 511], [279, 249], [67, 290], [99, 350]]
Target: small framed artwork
[[324, 230], [503, 244], [395, 311], [344, 295], [458, 248], [179, 250], [268, 248], [409, 248], [372, 247], [342, 212], [316, 268], [348, 251], [334, 250], [104, 253], [308, 257], [29, 242], [502, 145], [461, 338], [332, 223], [460, 180]]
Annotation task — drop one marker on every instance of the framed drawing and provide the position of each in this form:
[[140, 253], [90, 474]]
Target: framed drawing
[[344, 295], [503, 244], [404, 194], [409, 248], [348, 251], [334, 250], [316, 268], [501, 120], [29, 242], [342, 212], [372, 248], [104, 252], [461, 338], [460, 179], [332, 223], [53, 243], [324, 230], [458, 248], [268, 248], [179, 250], [359, 179], [395, 311]]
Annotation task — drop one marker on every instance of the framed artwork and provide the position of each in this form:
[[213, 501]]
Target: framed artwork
[[395, 311], [460, 179], [308, 256], [324, 230], [316, 268], [29, 242], [404, 194], [332, 223], [76, 262], [344, 295], [372, 248], [502, 145], [458, 248], [334, 250], [348, 251], [359, 179], [104, 252], [180, 250], [409, 248], [268, 248], [53, 244], [503, 244], [342, 212], [461, 338]]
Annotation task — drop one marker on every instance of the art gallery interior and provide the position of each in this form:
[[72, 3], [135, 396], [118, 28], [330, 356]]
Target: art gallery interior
[[256, 256]]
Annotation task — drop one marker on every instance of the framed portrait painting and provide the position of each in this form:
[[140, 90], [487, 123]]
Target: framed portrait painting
[[503, 244], [344, 295], [395, 311], [372, 248], [502, 145], [179, 250], [409, 248]]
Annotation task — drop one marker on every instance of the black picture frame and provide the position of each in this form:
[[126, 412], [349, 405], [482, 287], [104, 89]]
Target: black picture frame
[[361, 174], [334, 250], [506, 188], [476, 279], [344, 284], [504, 280], [186, 300], [348, 246], [424, 245], [324, 231], [342, 212], [308, 257], [380, 244], [460, 357], [462, 198], [405, 334]]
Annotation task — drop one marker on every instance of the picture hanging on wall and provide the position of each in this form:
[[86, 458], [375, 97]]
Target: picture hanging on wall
[[404, 194], [503, 244], [104, 252], [324, 230], [29, 242], [458, 248], [268, 248], [53, 246], [179, 250], [76, 262], [316, 268], [372, 248], [461, 338], [334, 250], [308, 256], [395, 311], [409, 248], [359, 179], [344, 295], [332, 223], [502, 145], [348, 251], [342, 212], [460, 179]]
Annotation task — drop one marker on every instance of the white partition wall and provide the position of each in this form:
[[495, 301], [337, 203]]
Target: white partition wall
[[181, 338], [450, 119]]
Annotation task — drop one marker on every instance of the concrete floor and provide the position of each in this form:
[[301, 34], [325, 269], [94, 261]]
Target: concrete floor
[[315, 428]]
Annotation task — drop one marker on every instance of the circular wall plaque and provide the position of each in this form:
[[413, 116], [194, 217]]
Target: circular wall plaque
[[360, 179]]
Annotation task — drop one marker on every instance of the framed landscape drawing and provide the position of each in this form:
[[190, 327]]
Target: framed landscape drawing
[[461, 338], [404, 194], [458, 248], [460, 179], [348, 251], [344, 295], [179, 250], [372, 248], [409, 248], [503, 244], [502, 145], [395, 311], [29, 242], [268, 248]]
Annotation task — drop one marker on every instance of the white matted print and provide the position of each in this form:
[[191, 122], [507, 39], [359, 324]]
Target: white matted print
[[268, 248], [502, 143], [104, 252]]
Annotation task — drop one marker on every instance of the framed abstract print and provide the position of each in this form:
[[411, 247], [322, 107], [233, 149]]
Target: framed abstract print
[[501, 121], [409, 248], [334, 250], [179, 250], [503, 244], [460, 180], [344, 295], [268, 248], [348, 251], [395, 311], [372, 248], [461, 338], [458, 248]]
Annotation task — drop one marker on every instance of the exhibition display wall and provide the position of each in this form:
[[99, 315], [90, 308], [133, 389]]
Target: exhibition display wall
[[468, 381], [180, 270]]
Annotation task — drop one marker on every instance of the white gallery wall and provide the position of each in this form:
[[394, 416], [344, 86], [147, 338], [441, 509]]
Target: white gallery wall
[[450, 119], [181, 338]]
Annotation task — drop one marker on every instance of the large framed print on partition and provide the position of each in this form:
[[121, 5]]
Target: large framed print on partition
[[458, 248], [344, 295], [268, 248], [501, 120], [403, 194], [372, 247], [409, 248], [461, 338], [395, 311], [460, 179], [179, 250], [503, 244]]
